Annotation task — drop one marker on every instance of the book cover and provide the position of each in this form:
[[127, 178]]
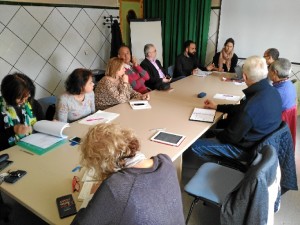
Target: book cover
[[50, 135], [66, 206], [203, 115]]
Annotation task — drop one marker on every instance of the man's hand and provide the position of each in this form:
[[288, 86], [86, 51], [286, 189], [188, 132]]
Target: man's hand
[[134, 61], [209, 104], [210, 67]]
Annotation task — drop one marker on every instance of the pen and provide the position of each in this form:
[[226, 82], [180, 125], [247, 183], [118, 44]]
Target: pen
[[138, 104], [26, 152], [76, 168], [94, 119], [158, 129]]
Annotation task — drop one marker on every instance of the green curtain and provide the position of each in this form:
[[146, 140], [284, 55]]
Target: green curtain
[[181, 20]]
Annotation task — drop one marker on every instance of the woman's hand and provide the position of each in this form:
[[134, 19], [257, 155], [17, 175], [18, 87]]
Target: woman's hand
[[22, 129], [125, 78], [146, 96]]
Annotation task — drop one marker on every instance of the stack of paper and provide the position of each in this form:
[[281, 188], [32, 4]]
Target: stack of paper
[[89, 187], [227, 97], [201, 73], [99, 117]]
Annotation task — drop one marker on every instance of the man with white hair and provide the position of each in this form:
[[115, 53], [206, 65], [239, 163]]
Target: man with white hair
[[258, 115]]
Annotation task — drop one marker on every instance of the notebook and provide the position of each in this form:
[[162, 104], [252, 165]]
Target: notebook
[[203, 115]]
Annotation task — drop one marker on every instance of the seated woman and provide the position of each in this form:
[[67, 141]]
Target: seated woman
[[226, 60], [78, 101], [17, 116], [114, 87], [134, 189]]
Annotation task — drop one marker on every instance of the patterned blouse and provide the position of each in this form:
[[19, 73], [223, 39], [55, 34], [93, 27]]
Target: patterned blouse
[[109, 93], [69, 109]]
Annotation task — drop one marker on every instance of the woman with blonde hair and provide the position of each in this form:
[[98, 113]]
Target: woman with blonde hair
[[114, 87], [134, 189], [226, 60]]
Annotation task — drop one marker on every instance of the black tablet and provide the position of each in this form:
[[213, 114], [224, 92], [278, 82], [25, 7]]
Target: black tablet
[[168, 138]]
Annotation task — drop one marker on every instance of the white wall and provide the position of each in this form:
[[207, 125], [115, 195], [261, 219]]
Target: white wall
[[48, 43]]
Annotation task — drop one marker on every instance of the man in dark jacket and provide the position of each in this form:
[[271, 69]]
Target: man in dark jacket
[[187, 62], [159, 78], [258, 115]]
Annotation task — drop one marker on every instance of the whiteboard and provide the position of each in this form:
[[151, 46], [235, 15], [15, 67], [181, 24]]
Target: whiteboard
[[257, 25], [144, 32]]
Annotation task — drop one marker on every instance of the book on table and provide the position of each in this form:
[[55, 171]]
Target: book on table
[[48, 134], [203, 115], [99, 117]]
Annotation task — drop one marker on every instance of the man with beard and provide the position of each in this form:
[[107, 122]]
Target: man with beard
[[187, 63]]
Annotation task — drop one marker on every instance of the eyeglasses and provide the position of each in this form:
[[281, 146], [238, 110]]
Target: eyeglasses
[[75, 184]]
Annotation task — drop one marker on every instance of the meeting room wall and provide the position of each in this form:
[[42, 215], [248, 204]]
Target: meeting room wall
[[48, 42], [212, 46]]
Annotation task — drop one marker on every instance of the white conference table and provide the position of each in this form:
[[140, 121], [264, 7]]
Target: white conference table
[[50, 175]]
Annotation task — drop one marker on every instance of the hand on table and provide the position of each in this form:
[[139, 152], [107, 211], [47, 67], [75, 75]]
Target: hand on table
[[145, 96], [22, 129], [209, 104]]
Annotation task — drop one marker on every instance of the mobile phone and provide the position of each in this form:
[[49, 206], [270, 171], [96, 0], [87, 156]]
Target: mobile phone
[[75, 140], [14, 176]]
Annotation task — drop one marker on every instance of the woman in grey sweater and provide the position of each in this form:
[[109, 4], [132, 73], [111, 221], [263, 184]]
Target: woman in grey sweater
[[135, 190]]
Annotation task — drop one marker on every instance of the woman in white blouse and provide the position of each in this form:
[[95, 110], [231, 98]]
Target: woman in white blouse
[[78, 100]]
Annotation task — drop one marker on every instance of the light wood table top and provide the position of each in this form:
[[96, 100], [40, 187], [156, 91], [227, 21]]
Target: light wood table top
[[50, 175]]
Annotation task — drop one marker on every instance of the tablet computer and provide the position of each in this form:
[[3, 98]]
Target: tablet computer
[[168, 138]]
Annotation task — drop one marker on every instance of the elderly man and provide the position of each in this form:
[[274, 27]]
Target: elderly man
[[271, 55], [279, 72], [187, 63], [258, 115], [159, 78], [136, 74]]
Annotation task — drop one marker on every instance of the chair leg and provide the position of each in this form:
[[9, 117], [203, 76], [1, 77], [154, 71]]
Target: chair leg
[[191, 209]]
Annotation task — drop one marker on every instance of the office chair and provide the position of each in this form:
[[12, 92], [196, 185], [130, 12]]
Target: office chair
[[171, 70], [48, 106], [243, 198]]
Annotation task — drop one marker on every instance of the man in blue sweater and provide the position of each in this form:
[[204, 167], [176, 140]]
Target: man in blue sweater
[[258, 115]]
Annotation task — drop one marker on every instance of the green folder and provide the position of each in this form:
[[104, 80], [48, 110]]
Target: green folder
[[38, 150]]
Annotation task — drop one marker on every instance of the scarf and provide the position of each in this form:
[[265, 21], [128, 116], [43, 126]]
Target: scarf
[[130, 162], [225, 58], [11, 118]]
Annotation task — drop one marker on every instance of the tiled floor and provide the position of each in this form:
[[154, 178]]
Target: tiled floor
[[202, 215]]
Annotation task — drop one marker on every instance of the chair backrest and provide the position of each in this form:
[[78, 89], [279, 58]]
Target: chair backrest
[[248, 203], [281, 140], [48, 106], [171, 70]]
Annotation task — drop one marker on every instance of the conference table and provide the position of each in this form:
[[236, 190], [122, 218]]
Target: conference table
[[50, 175]]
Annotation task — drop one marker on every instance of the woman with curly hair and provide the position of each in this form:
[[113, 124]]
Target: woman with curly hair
[[78, 101], [134, 189]]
